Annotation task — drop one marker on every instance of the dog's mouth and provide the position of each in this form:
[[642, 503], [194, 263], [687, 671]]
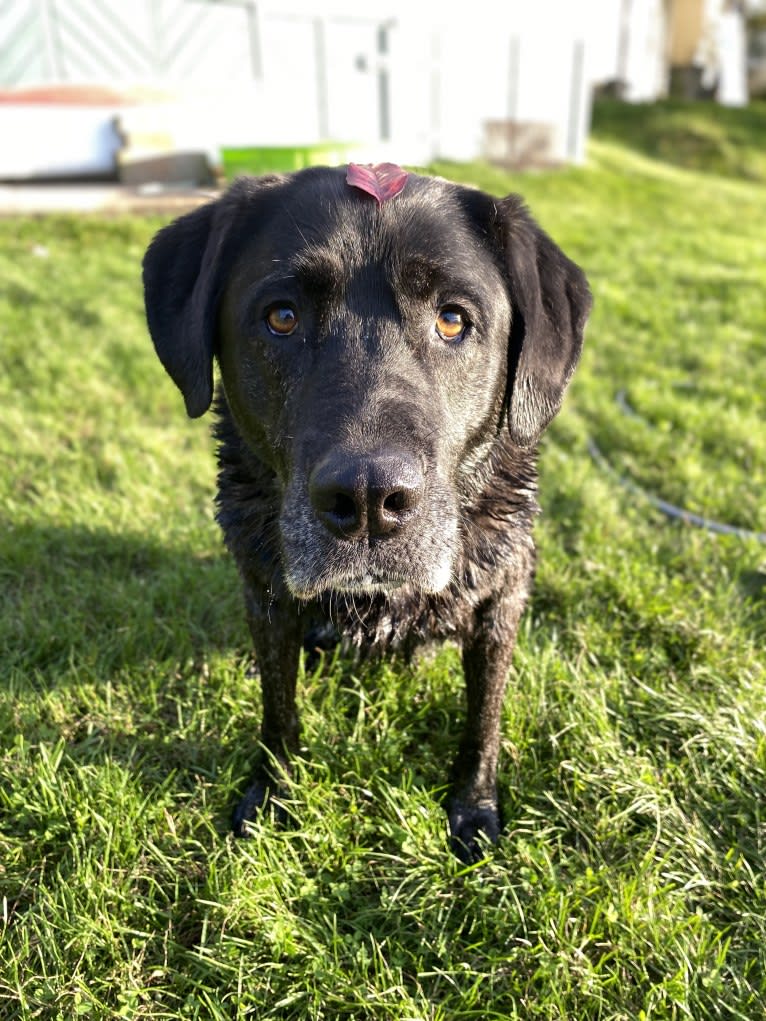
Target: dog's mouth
[[369, 583]]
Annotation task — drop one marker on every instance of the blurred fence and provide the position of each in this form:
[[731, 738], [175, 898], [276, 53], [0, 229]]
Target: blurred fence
[[402, 81]]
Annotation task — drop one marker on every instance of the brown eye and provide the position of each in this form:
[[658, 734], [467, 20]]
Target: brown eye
[[450, 323], [281, 320]]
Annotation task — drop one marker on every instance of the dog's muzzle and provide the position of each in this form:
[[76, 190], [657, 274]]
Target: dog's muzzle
[[367, 522]]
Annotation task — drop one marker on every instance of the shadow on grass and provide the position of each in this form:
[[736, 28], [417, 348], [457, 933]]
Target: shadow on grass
[[94, 599], [80, 601]]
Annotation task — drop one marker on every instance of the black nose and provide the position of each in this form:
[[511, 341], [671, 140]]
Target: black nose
[[374, 495]]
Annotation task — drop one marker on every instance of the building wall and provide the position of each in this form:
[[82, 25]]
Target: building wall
[[406, 81]]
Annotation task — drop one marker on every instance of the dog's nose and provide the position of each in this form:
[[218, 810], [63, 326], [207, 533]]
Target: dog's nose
[[374, 495]]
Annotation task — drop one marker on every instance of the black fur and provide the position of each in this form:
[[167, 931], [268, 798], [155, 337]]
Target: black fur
[[375, 479]]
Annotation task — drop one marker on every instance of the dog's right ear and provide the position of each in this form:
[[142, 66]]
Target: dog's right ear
[[182, 284]]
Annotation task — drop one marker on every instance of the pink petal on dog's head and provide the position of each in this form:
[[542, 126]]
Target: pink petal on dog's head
[[382, 181]]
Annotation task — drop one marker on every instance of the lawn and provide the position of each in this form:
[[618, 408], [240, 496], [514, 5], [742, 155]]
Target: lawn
[[629, 882]]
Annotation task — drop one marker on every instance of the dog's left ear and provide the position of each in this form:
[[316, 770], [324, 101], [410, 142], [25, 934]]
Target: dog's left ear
[[550, 302]]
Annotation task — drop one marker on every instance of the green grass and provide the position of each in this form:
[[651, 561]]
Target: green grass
[[701, 136], [629, 883]]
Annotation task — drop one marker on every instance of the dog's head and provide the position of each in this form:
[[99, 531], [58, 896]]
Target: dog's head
[[370, 353]]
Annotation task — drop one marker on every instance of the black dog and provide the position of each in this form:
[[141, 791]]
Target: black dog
[[387, 368]]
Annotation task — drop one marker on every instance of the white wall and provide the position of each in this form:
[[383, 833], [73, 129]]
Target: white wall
[[506, 63]]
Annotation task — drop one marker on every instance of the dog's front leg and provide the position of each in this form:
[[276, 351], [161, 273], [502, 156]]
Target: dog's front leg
[[473, 806], [277, 630]]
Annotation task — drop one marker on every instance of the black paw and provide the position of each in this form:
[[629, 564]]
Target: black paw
[[262, 795], [471, 828], [318, 639]]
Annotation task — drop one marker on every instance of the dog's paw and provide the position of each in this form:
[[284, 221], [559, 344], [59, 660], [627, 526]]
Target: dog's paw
[[471, 828], [249, 807], [261, 796]]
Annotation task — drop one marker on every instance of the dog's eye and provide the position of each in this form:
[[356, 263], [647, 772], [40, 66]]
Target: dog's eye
[[451, 323], [281, 320]]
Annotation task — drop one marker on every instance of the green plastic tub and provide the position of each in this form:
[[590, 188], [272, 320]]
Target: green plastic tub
[[267, 159]]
